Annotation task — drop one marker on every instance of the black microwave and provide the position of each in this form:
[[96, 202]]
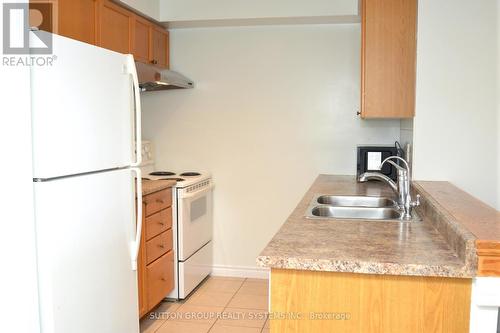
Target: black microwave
[[370, 157]]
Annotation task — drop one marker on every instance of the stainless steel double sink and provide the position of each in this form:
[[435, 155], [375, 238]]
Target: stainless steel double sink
[[355, 207]]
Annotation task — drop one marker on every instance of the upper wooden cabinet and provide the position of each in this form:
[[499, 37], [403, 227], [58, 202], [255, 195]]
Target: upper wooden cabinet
[[77, 19], [109, 25], [159, 47], [115, 27], [150, 43], [142, 39], [388, 58]]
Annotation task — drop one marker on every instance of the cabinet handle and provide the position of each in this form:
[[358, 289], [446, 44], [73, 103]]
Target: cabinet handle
[[163, 279], [160, 201], [161, 223], [154, 62], [161, 246]]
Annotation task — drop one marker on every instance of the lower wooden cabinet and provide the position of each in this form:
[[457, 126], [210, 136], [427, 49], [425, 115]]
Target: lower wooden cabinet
[[158, 246], [156, 257], [160, 278], [158, 223]]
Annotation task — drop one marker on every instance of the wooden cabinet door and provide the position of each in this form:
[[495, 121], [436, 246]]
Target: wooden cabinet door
[[388, 58], [43, 15], [142, 39], [77, 19], [141, 270], [160, 276], [159, 47], [115, 27]]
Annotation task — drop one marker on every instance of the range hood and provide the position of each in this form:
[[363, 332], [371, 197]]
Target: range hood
[[154, 79]]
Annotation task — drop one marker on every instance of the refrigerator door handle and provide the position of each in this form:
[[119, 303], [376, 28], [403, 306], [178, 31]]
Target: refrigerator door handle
[[137, 107], [136, 244]]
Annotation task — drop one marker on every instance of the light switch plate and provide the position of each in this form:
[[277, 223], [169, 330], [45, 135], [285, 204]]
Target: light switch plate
[[374, 159]]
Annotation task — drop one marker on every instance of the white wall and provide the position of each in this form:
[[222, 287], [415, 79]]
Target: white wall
[[406, 133], [272, 108], [189, 10], [456, 125], [149, 8]]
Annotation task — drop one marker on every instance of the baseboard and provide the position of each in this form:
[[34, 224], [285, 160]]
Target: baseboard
[[240, 271]]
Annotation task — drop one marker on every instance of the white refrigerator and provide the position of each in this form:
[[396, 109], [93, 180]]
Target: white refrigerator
[[85, 132]]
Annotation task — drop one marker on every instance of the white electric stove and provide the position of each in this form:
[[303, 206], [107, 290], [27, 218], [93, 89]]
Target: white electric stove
[[192, 210]]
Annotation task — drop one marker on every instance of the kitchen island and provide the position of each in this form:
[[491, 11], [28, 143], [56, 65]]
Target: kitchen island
[[339, 275]]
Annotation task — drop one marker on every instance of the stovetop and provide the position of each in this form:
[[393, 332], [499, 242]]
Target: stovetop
[[183, 179]]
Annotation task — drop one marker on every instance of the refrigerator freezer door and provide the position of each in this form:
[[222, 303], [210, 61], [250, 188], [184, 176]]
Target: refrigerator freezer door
[[82, 111], [85, 227]]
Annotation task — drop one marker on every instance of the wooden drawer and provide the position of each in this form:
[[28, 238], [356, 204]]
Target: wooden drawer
[[158, 246], [158, 201], [158, 223], [160, 275]]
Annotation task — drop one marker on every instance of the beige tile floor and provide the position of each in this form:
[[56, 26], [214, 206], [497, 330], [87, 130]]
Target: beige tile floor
[[219, 305]]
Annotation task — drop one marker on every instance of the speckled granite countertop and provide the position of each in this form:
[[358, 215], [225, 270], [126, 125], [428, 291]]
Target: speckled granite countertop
[[151, 186], [371, 247]]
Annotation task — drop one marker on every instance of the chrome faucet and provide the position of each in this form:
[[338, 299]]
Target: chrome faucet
[[401, 188]]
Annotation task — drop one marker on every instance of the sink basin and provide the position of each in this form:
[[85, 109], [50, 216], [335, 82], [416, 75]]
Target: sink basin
[[356, 207], [355, 201], [369, 213]]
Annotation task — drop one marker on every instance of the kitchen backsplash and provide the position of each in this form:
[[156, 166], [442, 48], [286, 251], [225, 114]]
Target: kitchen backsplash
[[406, 131]]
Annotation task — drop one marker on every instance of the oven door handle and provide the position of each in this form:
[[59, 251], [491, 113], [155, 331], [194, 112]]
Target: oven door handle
[[197, 193]]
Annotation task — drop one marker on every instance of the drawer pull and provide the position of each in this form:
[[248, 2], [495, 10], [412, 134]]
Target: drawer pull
[[163, 279], [161, 202], [161, 223], [161, 246]]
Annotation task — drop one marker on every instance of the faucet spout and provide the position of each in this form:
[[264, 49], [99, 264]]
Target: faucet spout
[[401, 188], [364, 177]]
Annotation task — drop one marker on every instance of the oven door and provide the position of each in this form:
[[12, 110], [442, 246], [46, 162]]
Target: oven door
[[194, 219]]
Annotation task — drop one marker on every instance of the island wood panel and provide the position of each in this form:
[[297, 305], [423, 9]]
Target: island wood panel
[[488, 258], [376, 303], [388, 58]]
